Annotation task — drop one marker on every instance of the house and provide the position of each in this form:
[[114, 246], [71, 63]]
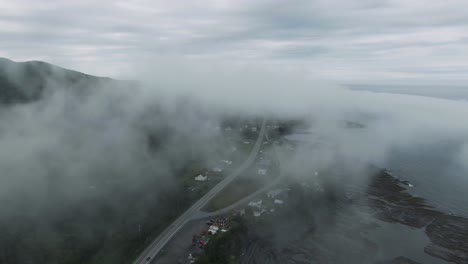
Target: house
[[278, 201], [228, 162], [191, 258], [217, 169], [201, 178], [274, 193], [255, 203], [213, 229], [261, 171], [258, 213], [242, 212], [221, 222]]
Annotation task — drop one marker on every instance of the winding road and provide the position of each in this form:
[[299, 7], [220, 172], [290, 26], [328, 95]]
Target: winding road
[[149, 254]]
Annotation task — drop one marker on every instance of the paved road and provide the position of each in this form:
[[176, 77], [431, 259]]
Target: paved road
[[155, 247], [243, 201]]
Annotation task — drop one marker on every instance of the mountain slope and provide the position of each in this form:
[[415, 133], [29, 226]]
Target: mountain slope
[[22, 82]]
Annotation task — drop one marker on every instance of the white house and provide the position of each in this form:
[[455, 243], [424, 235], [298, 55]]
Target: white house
[[274, 193], [228, 162], [278, 201], [201, 178], [255, 203], [258, 213], [213, 229]]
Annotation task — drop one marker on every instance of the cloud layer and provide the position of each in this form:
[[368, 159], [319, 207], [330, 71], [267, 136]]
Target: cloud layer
[[344, 41]]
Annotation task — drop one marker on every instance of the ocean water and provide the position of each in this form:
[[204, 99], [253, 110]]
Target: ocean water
[[435, 174], [432, 168]]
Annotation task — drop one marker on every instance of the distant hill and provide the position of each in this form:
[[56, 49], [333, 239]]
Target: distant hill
[[22, 82], [438, 91]]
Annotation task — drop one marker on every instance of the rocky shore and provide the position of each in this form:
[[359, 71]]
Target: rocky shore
[[448, 234], [380, 224]]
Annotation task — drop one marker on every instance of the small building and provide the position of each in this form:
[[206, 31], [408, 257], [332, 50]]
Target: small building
[[255, 203], [261, 171], [278, 201], [274, 193], [258, 213], [228, 162], [201, 178], [191, 258], [217, 169], [213, 229]]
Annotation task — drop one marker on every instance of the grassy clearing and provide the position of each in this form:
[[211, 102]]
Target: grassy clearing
[[235, 191], [243, 186], [245, 148]]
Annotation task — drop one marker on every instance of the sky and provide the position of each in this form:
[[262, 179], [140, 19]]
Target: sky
[[365, 41]]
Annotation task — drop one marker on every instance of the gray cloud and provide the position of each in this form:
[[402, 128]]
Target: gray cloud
[[105, 37]]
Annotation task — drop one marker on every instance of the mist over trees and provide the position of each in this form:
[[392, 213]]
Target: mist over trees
[[90, 168]]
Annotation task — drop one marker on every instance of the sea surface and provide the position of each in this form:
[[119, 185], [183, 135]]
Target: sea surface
[[432, 168], [435, 174]]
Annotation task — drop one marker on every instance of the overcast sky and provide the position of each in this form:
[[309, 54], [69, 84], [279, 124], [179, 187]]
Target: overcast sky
[[361, 41]]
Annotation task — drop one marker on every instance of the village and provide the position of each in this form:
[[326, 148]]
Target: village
[[260, 203], [265, 205], [257, 194]]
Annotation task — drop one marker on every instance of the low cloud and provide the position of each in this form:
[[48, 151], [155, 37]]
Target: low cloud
[[392, 41], [68, 147]]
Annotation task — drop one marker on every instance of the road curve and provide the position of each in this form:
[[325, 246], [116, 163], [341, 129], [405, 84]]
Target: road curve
[[155, 247], [243, 201]]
